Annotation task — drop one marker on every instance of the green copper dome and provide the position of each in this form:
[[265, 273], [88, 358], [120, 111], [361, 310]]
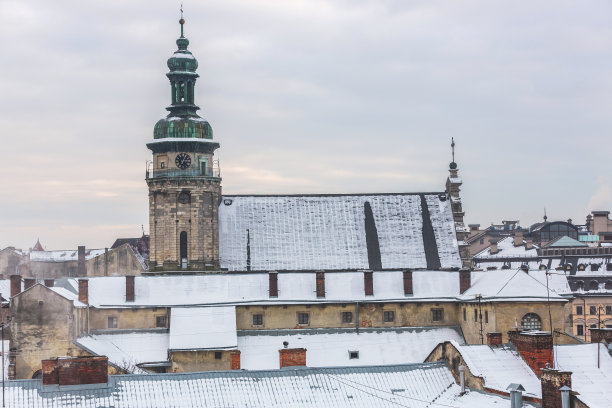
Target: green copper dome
[[188, 126]]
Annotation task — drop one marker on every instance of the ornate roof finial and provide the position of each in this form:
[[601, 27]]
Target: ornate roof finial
[[453, 165], [182, 20], [545, 217]]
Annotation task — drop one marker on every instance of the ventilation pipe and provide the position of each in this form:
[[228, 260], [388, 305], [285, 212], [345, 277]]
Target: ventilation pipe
[[516, 395], [565, 396], [462, 378]]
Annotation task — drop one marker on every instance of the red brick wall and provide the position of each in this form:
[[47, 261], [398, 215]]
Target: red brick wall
[[535, 348], [552, 380], [75, 371], [15, 285], [235, 360], [597, 335], [28, 283], [292, 357], [465, 280], [494, 338]]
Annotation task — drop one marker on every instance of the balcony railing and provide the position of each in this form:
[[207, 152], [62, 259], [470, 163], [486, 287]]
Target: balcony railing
[[213, 171]]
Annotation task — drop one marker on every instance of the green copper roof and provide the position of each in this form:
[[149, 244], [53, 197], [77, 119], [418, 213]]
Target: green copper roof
[[565, 242]]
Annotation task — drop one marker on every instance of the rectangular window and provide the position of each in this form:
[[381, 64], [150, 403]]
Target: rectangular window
[[112, 322], [353, 355], [218, 355], [475, 315], [388, 316], [303, 318], [347, 317], [464, 315], [486, 316], [437, 315], [273, 280], [160, 321], [579, 330], [592, 310], [579, 310], [257, 320], [320, 284], [609, 310]]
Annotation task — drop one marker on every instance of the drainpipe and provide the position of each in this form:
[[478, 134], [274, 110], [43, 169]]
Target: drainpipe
[[586, 326], [357, 317]]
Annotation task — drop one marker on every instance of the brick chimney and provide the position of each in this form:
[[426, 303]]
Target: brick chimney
[[599, 335], [15, 285], [368, 283], [518, 238], [81, 271], [84, 291], [273, 284], [493, 247], [465, 280], [535, 347], [49, 283], [408, 290], [494, 339], [529, 244], [129, 288], [235, 360], [320, 287], [525, 268], [292, 357], [75, 370], [28, 283], [552, 381]]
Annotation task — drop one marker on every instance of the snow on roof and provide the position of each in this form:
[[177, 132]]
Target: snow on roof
[[68, 295], [499, 367], [593, 384], [201, 328], [126, 350], [504, 264], [328, 231], [5, 288], [507, 249], [330, 347], [62, 256], [508, 285], [417, 386], [557, 280], [253, 287]]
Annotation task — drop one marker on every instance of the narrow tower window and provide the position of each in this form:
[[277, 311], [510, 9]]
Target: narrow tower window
[[183, 246]]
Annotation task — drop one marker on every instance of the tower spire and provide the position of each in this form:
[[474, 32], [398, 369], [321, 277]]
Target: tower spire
[[453, 147], [182, 21]]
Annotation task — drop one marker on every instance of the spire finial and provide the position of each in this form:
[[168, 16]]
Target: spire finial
[[182, 20], [453, 147], [545, 217]]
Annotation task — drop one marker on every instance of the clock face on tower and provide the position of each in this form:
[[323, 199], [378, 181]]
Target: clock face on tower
[[183, 161]]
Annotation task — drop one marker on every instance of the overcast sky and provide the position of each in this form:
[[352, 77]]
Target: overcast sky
[[305, 97]]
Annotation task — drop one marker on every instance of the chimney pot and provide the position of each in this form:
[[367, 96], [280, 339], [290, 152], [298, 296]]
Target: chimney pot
[[493, 247], [49, 283], [494, 339], [15, 285], [518, 238], [529, 244], [84, 291], [465, 280], [129, 288]]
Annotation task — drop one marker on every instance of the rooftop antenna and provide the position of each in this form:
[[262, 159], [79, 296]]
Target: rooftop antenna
[[182, 20]]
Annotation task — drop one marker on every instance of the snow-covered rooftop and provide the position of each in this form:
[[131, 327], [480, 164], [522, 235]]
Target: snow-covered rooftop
[[300, 287], [507, 249], [328, 232], [201, 328], [330, 347], [62, 256], [593, 384], [417, 386], [127, 349], [499, 366]]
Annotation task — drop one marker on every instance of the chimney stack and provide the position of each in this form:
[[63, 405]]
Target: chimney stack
[[273, 284], [368, 283], [235, 360], [75, 370], [529, 244], [535, 347], [49, 283], [320, 286], [15, 285], [465, 280], [84, 291], [28, 283], [408, 290], [81, 271], [494, 339], [552, 382], [129, 288], [525, 268], [292, 357], [518, 238], [493, 247], [516, 395], [599, 335]]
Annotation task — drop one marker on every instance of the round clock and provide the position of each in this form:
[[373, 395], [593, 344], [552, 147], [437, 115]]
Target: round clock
[[183, 160], [184, 197]]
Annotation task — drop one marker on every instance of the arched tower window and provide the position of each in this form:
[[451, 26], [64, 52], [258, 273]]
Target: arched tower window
[[531, 321], [183, 249]]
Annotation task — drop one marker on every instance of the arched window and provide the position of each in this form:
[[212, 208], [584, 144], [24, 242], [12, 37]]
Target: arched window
[[542, 267], [579, 285], [37, 375], [593, 285], [531, 321], [609, 284], [581, 267]]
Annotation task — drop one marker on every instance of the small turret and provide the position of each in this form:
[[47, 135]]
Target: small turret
[[453, 188]]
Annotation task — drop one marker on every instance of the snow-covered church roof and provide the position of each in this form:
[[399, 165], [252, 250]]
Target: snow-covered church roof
[[337, 232]]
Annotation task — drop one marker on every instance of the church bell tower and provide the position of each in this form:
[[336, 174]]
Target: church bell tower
[[183, 178]]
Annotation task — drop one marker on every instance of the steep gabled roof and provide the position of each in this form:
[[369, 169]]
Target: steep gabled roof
[[508, 285]]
